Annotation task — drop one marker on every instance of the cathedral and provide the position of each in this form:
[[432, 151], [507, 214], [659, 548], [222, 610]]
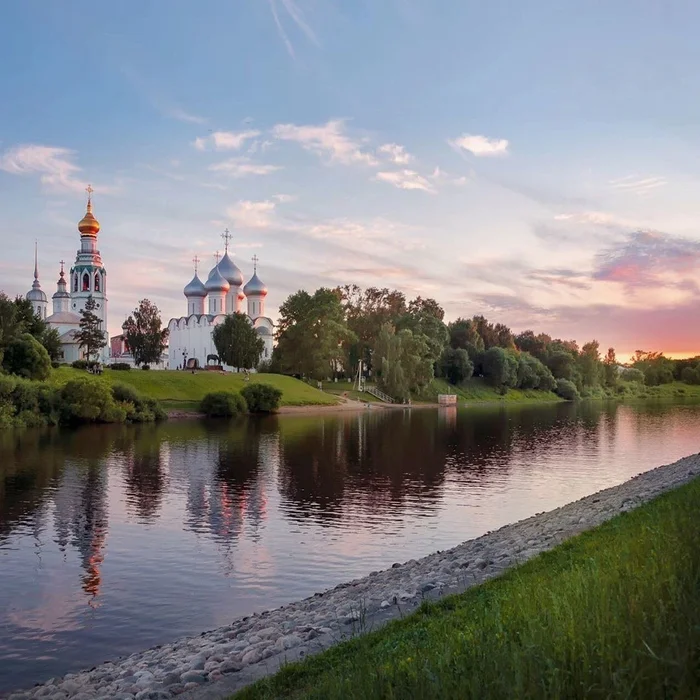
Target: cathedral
[[86, 278], [208, 304]]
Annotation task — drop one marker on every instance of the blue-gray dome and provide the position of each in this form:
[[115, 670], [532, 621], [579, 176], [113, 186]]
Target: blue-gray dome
[[230, 271], [216, 282], [195, 288], [36, 293], [255, 286]]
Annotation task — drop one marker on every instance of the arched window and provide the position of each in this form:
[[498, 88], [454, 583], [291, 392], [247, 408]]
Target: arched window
[[97, 282], [86, 282], [75, 282]]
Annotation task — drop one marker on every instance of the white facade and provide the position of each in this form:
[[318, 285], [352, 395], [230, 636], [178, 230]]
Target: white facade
[[190, 337], [87, 277]]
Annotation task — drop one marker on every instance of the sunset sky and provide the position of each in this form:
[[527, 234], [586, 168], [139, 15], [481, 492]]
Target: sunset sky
[[535, 162]]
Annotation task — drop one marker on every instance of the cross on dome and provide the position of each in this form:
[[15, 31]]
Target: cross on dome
[[196, 262], [255, 263], [217, 256], [226, 235]]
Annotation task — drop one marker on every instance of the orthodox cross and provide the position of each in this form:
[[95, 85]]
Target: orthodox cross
[[227, 237], [62, 264], [89, 190], [255, 263], [217, 256], [195, 260]]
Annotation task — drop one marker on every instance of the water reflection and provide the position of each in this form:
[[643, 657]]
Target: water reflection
[[117, 538]]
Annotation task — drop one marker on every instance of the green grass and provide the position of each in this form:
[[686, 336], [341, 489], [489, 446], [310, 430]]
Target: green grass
[[613, 613], [345, 388], [184, 390], [477, 390], [675, 390]]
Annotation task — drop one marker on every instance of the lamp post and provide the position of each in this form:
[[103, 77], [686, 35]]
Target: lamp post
[[184, 359]]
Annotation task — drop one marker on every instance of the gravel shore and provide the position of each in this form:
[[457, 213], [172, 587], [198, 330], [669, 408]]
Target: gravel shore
[[219, 662]]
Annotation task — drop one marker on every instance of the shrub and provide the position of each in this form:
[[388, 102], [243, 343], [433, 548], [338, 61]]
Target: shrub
[[222, 404], [88, 400], [567, 390], [79, 364], [261, 398], [55, 365], [120, 366], [26, 357], [138, 408], [145, 366], [632, 375]]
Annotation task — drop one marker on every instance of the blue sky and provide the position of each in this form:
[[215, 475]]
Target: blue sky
[[535, 162]]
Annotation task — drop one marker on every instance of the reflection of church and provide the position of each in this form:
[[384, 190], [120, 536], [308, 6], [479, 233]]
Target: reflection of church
[[86, 278], [208, 304]]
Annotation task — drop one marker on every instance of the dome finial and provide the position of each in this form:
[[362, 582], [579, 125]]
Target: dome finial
[[226, 235], [195, 260], [255, 264], [89, 225], [36, 260], [89, 191], [217, 256]]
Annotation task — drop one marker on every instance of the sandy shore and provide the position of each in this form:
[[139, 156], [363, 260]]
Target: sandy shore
[[215, 664]]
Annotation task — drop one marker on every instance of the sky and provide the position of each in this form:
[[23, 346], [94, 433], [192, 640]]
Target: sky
[[537, 163]]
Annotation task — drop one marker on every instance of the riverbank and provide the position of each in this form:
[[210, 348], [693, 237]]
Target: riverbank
[[224, 660]]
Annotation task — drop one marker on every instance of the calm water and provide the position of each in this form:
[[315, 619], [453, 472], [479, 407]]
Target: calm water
[[114, 539]]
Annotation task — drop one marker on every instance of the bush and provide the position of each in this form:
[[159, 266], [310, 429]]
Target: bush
[[79, 364], [500, 367], [145, 366], [567, 390], [88, 400], [632, 375], [691, 375], [261, 398], [55, 365], [139, 409], [222, 404], [26, 357], [455, 365], [120, 366]]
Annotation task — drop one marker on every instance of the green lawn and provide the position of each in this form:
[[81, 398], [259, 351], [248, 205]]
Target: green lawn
[[184, 390], [612, 613], [476, 390]]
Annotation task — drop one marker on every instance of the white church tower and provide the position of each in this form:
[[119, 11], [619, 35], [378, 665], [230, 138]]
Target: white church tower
[[255, 292], [88, 276], [36, 294]]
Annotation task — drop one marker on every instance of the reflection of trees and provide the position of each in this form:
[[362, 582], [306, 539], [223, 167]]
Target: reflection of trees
[[144, 478]]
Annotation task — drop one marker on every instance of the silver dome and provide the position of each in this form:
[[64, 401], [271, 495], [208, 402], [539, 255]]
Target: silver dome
[[36, 293], [255, 286], [216, 282], [195, 288], [230, 271]]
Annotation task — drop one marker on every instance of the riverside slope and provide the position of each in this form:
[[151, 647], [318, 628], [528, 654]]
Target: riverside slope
[[217, 663]]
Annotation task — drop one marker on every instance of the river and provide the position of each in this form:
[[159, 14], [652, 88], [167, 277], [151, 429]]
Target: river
[[117, 538]]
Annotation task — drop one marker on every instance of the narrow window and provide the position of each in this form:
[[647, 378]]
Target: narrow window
[[97, 282], [86, 282], [75, 282]]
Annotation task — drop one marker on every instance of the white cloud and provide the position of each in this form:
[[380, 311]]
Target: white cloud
[[284, 198], [242, 167], [597, 218], [248, 214], [396, 153], [480, 145], [180, 114], [636, 184], [405, 180], [54, 165], [326, 140], [225, 140]]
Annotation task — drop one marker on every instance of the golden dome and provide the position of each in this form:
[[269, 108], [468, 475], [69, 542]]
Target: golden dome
[[89, 225]]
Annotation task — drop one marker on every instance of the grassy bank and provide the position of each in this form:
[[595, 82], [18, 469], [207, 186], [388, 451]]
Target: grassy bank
[[612, 613], [477, 390], [184, 390]]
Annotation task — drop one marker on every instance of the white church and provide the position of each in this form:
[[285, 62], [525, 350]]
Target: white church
[[208, 304], [86, 278]]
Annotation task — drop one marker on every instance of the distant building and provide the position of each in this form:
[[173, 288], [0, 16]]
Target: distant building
[[86, 278], [208, 304]]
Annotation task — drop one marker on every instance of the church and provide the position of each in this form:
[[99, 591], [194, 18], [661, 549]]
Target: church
[[87, 277], [208, 304]]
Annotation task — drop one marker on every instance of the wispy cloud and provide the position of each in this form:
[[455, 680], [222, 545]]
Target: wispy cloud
[[242, 167], [636, 184], [405, 180], [329, 141], [54, 165], [294, 12], [225, 140], [249, 214], [480, 146], [395, 153], [180, 114]]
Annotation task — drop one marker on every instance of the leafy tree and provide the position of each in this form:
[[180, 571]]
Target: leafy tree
[[532, 374], [26, 357], [562, 364], [51, 340], [427, 307], [494, 336], [237, 342], [690, 375], [311, 334], [589, 364], [537, 345], [262, 398], [610, 373], [464, 335], [455, 365], [567, 390], [500, 368], [144, 335], [630, 374], [90, 336]]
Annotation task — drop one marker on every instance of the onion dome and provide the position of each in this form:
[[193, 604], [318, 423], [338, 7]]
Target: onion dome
[[195, 288], [89, 225], [230, 271], [216, 282], [61, 291], [255, 286]]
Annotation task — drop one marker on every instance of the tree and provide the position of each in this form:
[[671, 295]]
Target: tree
[[51, 340], [143, 334], [500, 368], [428, 307], [90, 336], [237, 342], [455, 365], [312, 333], [464, 335], [532, 374], [589, 364], [610, 373], [26, 357]]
